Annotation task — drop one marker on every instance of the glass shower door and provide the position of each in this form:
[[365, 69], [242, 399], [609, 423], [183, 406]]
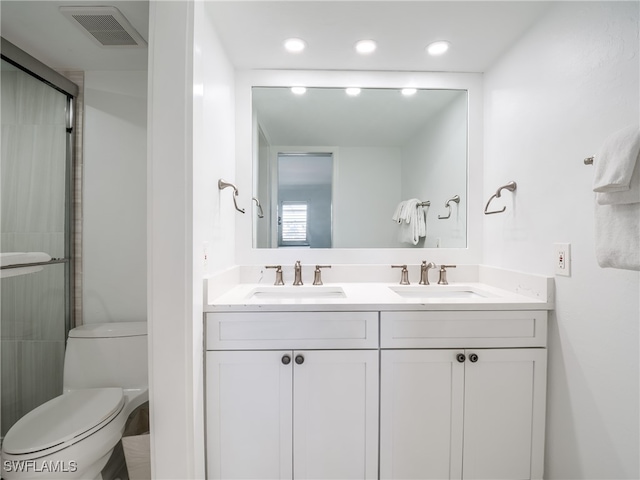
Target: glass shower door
[[34, 217]]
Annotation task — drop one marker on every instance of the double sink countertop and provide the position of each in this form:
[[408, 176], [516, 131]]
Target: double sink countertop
[[499, 290]]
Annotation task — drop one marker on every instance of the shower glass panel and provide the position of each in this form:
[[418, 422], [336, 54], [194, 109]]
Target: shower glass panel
[[34, 197]]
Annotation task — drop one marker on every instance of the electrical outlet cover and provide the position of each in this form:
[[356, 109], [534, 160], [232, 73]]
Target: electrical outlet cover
[[562, 259]]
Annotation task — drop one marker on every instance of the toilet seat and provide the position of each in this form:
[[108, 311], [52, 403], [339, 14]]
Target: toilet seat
[[63, 421]]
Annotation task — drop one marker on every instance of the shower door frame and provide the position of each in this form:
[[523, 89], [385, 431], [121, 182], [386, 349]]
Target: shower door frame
[[31, 66]]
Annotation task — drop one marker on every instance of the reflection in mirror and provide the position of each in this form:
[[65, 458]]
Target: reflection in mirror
[[331, 170], [304, 199]]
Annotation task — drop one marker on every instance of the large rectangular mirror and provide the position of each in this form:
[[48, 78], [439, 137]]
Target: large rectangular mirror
[[336, 168]]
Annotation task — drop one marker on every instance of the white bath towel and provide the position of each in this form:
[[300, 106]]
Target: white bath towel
[[618, 235], [616, 159], [626, 196], [20, 258]]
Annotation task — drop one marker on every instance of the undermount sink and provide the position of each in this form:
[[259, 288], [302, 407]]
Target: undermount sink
[[283, 293], [438, 292]]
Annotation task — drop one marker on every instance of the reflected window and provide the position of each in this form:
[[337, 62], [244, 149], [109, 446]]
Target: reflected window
[[294, 223]]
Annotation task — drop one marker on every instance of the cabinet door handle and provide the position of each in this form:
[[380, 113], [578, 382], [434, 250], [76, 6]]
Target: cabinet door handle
[[299, 359], [286, 359], [473, 358], [460, 357]]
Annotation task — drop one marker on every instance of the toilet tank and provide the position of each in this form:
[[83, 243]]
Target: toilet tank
[[107, 355]]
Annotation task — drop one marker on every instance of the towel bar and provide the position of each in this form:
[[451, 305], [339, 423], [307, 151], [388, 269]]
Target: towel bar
[[53, 261], [511, 186], [222, 185]]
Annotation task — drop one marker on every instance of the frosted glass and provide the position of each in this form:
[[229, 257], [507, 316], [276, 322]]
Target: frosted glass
[[32, 218]]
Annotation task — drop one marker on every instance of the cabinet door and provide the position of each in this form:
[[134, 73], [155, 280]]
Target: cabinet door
[[421, 406], [504, 412], [249, 424], [335, 414]]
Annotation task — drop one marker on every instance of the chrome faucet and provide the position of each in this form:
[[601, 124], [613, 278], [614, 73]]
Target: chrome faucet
[[278, 268], [424, 272], [297, 269], [404, 277], [443, 274], [317, 274]]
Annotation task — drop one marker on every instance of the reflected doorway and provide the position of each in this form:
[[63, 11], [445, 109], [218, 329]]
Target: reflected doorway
[[304, 199]]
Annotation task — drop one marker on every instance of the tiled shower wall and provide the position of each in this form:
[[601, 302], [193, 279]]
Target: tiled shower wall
[[32, 185]]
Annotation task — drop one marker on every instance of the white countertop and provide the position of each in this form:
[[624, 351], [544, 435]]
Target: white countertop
[[373, 297]]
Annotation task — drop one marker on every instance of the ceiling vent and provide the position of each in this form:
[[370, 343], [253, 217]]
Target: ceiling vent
[[105, 25]]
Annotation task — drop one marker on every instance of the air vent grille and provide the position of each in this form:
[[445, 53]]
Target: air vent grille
[[106, 25]]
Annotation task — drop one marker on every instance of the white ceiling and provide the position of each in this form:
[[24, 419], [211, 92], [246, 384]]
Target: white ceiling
[[252, 33], [328, 116], [39, 28]]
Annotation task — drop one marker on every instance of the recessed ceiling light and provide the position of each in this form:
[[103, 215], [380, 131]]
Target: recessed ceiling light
[[365, 46], [353, 91], [408, 91], [298, 90], [438, 48], [295, 45]]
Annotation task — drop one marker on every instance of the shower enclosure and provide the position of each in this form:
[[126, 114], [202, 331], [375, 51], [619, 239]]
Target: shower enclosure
[[35, 216]]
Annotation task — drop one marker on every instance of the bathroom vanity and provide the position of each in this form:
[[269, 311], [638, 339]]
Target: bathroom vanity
[[377, 380]]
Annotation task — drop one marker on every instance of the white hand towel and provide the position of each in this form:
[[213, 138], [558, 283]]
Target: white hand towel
[[416, 219], [397, 215], [412, 220], [616, 159], [618, 236]]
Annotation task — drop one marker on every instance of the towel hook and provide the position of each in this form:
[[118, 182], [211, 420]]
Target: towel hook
[[222, 185], [455, 198], [260, 212], [511, 186]]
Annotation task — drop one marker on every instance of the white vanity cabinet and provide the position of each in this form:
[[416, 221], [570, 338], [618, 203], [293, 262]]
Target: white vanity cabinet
[[292, 395], [461, 397]]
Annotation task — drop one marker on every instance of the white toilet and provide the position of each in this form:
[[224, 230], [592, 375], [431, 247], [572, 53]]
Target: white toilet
[[73, 435]]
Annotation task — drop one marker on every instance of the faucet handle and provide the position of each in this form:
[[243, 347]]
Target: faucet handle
[[404, 277], [443, 274], [297, 273], [317, 274], [278, 268]]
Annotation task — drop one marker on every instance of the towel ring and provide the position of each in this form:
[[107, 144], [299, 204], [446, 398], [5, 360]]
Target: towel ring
[[260, 212], [455, 198], [511, 186], [222, 185]]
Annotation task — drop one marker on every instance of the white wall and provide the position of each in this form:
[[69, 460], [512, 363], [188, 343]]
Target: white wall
[[551, 101], [361, 171], [213, 212], [172, 310], [114, 197], [191, 145]]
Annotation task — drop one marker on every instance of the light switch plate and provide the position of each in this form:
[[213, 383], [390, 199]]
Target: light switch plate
[[562, 259]]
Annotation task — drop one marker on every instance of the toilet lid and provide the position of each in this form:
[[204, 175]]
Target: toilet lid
[[62, 419]]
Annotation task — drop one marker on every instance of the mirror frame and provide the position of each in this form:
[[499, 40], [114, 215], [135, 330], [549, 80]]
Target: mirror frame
[[246, 145]]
